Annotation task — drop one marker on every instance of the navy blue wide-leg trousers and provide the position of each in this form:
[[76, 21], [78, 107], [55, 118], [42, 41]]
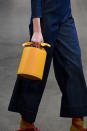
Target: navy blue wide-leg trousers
[[67, 63]]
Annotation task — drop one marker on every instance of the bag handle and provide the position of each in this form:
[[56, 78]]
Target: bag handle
[[42, 44]]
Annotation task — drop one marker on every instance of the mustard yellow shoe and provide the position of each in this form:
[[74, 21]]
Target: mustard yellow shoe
[[32, 128], [76, 127], [25, 126]]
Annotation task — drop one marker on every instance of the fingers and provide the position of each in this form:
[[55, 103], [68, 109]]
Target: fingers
[[37, 44], [37, 38]]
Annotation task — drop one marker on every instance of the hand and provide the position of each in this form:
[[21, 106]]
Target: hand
[[37, 38]]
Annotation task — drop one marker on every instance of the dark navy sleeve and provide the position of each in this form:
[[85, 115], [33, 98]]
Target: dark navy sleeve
[[36, 8]]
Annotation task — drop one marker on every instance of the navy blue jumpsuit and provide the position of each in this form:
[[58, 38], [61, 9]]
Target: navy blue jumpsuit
[[58, 29]]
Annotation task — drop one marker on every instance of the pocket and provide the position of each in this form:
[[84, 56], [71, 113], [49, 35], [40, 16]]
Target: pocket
[[30, 31], [29, 26], [30, 23]]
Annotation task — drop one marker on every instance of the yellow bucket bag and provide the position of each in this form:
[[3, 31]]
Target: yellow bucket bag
[[32, 61]]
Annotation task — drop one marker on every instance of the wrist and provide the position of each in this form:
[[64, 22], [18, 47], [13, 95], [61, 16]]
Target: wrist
[[36, 25], [35, 31], [37, 28]]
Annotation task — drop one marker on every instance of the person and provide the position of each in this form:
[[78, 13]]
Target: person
[[52, 22]]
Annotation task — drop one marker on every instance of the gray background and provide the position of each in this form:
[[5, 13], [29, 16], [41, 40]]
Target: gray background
[[14, 20]]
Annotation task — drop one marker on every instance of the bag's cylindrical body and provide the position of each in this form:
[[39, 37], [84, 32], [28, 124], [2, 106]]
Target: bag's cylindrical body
[[32, 63]]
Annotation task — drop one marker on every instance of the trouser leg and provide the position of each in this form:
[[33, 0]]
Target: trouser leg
[[27, 94], [69, 71]]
